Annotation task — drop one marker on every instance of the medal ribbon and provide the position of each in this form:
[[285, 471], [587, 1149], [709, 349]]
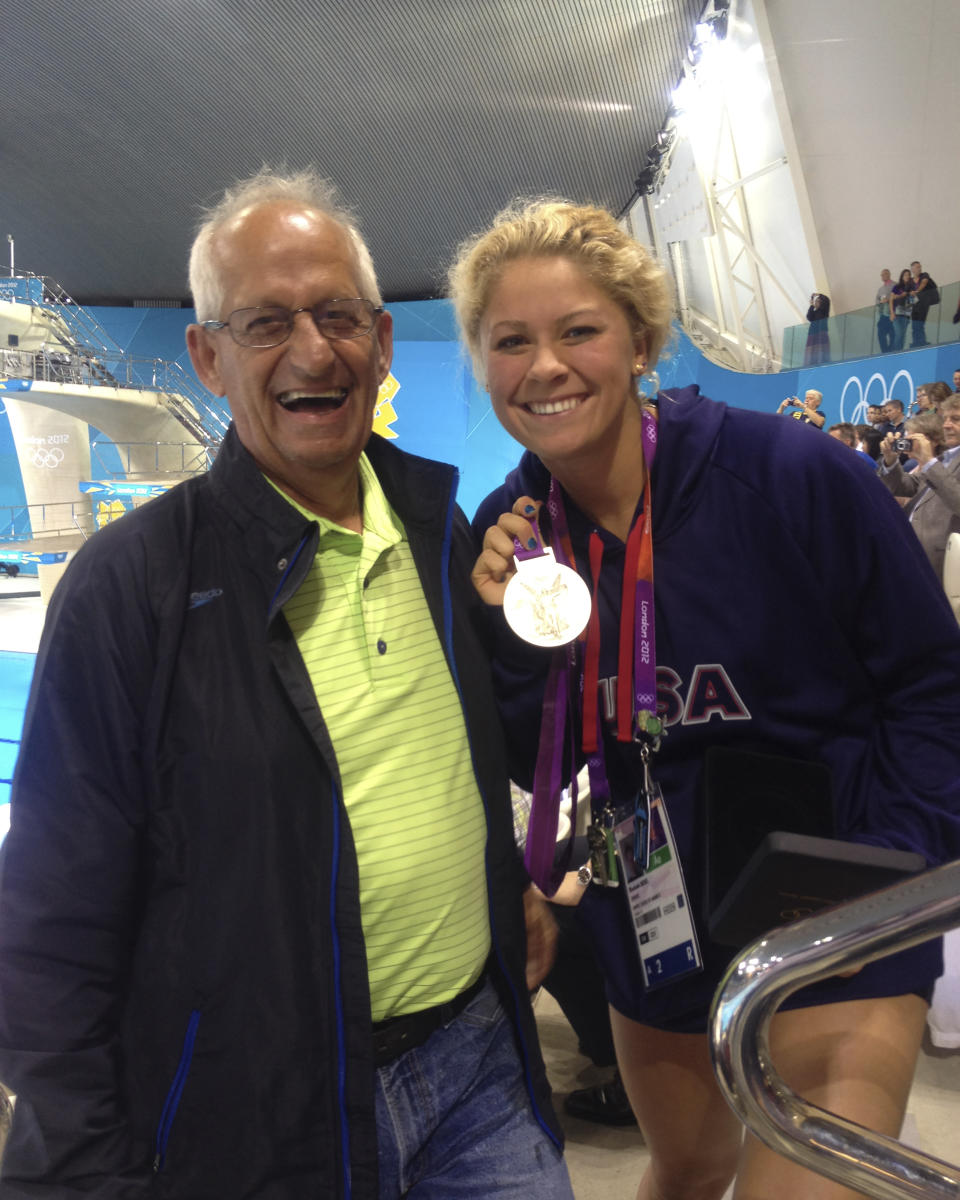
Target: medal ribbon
[[636, 683]]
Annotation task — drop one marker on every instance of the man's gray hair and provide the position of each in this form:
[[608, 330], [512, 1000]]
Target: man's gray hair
[[307, 188]]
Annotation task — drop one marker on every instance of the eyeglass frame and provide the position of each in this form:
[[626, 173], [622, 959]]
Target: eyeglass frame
[[376, 311]]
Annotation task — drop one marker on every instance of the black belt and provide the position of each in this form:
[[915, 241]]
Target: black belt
[[397, 1035]]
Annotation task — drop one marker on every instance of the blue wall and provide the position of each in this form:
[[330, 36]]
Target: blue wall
[[441, 413]]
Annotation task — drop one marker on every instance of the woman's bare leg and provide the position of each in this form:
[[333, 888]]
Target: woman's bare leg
[[692, 1135], [856, 1059]]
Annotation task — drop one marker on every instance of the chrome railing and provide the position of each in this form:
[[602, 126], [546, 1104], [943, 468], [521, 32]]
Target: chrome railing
[[791, 957]]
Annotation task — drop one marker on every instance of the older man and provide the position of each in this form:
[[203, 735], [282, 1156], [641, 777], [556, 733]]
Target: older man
[[260, 911], [934, 488], [806, 410]]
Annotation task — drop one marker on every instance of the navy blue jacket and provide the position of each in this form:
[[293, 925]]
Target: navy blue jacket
[[796, 615], [184, 1007]]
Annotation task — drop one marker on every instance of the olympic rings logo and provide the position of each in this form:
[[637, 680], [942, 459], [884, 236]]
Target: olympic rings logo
[[859, 414], [42, 457]]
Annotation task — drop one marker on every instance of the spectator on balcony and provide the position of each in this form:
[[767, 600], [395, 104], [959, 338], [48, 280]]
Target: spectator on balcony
[[925, 295], [884, 320], [818, 336], [900, 307]]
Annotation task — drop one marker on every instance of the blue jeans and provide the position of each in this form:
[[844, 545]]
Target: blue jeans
[[455, 1121], [885, 333], [900, 324]]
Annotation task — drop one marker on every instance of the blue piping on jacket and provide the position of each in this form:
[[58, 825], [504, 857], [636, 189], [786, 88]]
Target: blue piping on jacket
[[341, 1046], [448, 641], [290, 565], [176, 1090]]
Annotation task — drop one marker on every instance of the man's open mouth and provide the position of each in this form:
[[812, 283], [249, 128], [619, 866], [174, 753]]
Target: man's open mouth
[[317, 402]]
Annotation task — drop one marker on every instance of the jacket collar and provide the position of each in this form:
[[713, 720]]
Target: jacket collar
[[273, 530]]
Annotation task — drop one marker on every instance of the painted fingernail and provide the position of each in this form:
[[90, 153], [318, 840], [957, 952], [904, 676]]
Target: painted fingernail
[[529, 508], [531, 543]]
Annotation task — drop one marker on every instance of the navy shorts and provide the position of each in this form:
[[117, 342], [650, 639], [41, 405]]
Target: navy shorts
[[683, 1007]]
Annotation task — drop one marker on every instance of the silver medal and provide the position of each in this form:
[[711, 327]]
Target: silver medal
[[546, 603]]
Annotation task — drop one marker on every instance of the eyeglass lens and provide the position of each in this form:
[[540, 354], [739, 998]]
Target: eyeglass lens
[[269, 326]]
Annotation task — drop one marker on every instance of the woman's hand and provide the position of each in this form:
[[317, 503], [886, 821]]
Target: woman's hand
[[494, 568]]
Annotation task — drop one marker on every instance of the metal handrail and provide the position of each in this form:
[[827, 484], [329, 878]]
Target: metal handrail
[[766, 973], [85, 354]]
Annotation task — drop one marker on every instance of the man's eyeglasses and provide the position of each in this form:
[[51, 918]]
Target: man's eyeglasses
[[337, 320]]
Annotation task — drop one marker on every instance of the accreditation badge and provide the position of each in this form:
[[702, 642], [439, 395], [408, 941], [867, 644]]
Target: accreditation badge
[[657, 896]]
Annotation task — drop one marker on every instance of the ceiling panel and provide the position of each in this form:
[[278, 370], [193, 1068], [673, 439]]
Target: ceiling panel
[[119, 120]]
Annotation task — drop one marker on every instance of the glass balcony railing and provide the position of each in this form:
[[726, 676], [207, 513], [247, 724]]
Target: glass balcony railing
[[854, 334]]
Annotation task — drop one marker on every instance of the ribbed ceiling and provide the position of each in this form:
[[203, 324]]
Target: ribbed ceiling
[[119, 120]]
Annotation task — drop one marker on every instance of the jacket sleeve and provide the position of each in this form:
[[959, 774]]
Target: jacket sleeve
[[904, 791], [70, 882], [946, 484], [898, 482]]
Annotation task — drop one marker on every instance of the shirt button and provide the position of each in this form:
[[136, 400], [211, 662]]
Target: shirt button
[[282, 564], [382, 646]]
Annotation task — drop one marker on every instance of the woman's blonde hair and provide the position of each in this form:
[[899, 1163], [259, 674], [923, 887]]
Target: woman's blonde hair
[[611, 259]]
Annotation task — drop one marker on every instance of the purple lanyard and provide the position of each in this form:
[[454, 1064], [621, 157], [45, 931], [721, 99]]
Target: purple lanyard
[[557, 742]]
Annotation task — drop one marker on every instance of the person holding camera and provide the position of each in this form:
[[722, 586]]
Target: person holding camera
[[933, 489], [805, 410], [817, 349]]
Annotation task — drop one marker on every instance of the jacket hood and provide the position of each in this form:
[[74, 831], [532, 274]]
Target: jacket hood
[[690, 424]]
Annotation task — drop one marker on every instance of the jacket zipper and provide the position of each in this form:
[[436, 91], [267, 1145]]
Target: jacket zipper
[[176, 1091]]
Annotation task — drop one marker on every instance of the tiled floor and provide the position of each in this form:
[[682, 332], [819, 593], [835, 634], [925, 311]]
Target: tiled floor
[[605, 1163]]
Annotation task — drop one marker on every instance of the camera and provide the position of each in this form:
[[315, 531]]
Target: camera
[[903, 445]]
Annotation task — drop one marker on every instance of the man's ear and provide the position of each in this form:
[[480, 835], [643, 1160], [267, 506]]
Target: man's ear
[[205, 359], [384, 336]]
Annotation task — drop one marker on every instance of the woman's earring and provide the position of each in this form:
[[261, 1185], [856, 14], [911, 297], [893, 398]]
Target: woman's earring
[[648, 383]]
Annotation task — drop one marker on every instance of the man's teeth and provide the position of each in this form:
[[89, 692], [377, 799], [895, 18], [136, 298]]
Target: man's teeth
[[335, 397], [546, 407]]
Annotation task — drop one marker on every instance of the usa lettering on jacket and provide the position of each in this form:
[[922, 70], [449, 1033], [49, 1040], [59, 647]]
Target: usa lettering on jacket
[[711, 693]]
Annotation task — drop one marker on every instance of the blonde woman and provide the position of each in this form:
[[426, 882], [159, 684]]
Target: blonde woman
[[729, 527]]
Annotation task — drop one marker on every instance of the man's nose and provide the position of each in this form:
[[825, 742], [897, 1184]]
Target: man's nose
[[308, 347]]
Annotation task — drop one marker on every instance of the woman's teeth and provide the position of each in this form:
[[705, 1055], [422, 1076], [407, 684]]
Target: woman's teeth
[[545, 407]]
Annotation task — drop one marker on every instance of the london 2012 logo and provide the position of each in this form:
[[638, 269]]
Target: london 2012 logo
[[47, 457], [860, 398]]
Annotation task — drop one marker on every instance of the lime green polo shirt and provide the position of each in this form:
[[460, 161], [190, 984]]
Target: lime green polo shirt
[[365, 632]]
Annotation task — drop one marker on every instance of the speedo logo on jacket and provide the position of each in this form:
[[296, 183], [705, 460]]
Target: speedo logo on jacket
[[710, 693]]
